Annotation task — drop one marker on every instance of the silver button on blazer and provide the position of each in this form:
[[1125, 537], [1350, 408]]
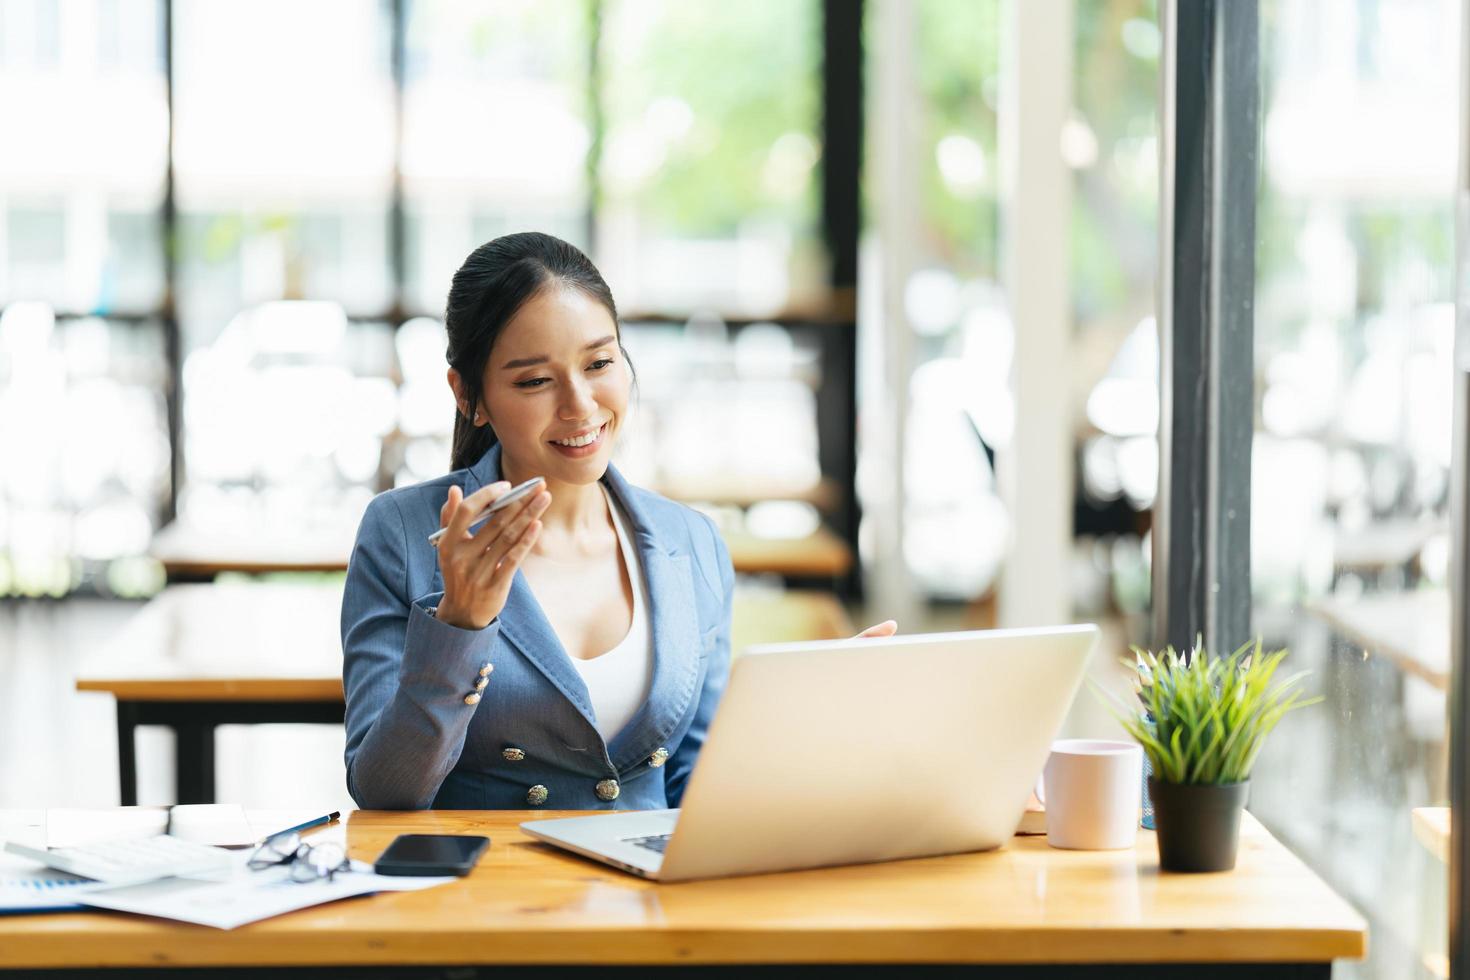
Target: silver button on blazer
[[419, 733]]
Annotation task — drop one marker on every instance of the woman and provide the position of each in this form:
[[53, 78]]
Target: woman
[[570, 652]]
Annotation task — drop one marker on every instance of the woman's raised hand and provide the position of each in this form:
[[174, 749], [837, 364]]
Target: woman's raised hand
[[886, 628], [478, 568]]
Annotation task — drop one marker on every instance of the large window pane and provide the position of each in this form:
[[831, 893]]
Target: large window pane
[[84, 434], [708, 168], [84, 113], [284, 156], [1354, 329], [496, 131], [1111, 143]]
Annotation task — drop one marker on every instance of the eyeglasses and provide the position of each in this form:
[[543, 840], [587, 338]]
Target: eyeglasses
[[309, 862]]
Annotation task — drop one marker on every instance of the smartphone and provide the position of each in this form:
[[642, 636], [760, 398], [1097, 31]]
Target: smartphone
[[431, 854], [504, 500]]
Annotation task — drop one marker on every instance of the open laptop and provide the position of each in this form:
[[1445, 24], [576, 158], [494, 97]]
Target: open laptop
[[850, 751]]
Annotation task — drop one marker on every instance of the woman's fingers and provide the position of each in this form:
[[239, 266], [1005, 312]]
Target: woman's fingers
[[468, 508], [886, 628], [511, 535], [507, 531], [450, 502], [503, 521]]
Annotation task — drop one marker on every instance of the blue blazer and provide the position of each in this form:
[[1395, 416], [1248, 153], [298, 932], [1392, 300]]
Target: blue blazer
[[412, 740]]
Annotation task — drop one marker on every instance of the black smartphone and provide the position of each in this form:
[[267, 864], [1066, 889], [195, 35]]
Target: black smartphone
[[431, 854]]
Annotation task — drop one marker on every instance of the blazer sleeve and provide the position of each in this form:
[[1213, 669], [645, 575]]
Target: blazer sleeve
[[405, 674], [717, 672]]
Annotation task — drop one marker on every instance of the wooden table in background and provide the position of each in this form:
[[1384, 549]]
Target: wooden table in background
[[1432, 829], [820, 555], [190, 555], [202, 655], [1410, 628], [1025, 910]]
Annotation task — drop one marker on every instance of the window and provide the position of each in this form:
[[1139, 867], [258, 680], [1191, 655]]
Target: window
[[1350, 468]]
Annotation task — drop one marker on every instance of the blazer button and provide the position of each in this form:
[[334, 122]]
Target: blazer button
[[659, 757], [472, 698], [480, 684], [512, 754], [537, 795], [608, 790], [485, 669]]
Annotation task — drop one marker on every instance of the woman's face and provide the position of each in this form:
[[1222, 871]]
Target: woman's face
[[556, 376]]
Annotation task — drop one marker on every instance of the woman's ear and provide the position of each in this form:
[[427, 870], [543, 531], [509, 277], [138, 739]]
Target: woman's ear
[[462, 401], [456, 385]]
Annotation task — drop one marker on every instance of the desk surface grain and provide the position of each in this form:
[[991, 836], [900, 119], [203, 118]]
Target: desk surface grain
[[532, 904]]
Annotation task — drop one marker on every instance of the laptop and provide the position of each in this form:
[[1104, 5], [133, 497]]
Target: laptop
[[854, 751]]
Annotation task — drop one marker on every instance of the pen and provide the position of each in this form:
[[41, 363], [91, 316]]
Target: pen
[[308, 825]]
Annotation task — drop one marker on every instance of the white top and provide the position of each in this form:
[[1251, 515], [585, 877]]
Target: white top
[[618, 680]]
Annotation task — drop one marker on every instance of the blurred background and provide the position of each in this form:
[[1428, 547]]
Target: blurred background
[[227, 231]]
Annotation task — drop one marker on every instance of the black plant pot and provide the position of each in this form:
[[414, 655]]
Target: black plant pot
[[1198, 826]]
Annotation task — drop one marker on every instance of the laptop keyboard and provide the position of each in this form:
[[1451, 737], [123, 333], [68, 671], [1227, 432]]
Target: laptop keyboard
[[657, 842]]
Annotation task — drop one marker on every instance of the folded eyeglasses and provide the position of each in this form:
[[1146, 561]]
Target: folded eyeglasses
[[309, 862]]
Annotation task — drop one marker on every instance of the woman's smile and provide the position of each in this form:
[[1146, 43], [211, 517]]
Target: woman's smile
[[585, 444]]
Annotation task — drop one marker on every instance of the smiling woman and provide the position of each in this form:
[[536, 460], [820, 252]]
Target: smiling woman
[[602, 610]]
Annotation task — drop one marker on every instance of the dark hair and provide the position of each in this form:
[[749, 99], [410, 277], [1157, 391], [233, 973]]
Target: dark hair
[[495, 281]]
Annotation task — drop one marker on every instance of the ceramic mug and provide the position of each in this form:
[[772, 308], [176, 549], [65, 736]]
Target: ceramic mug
[[1090, 790]]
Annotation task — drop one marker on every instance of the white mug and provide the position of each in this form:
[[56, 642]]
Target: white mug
[[1091, 793]]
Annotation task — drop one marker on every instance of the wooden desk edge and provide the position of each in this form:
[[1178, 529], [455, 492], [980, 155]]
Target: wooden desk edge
[[180, 944], [217, 689]]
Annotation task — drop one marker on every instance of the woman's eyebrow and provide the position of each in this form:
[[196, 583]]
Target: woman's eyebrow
[[521, 362]]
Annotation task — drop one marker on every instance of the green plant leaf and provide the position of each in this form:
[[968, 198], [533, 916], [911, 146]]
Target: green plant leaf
[[1206, 717]]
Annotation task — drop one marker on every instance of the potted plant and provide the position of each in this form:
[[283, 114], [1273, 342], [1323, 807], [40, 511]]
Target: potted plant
[[1204, 721]]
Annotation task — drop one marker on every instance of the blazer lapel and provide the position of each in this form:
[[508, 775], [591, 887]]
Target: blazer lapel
[[675, 629], [522, 622]]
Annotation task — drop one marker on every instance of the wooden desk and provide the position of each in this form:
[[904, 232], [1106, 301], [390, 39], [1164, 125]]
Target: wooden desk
[[1022, 909], [201, 655]]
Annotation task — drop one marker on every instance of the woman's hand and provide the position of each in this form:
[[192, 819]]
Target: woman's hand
[[478, 568], [886, 628]]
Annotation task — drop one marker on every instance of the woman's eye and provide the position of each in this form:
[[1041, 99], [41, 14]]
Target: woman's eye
[[532, 383], [601, 363]]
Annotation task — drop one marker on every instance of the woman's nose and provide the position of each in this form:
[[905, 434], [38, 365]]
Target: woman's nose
[[579, 403]]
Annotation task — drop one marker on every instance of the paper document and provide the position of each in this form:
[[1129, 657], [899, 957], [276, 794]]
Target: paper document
[[247, 896], [220, 824], [42, 891]]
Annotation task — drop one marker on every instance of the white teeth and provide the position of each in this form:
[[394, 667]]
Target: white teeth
[[586, 440]]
